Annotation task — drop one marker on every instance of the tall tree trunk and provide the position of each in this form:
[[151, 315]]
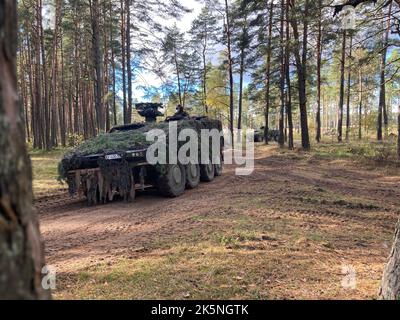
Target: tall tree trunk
[[106, 68], [98, 78], [341, 90], [319, 59], [123, 53], [63, 124], [77, 58], [54, 78], [39, 123], [204, 58], [390, 288], [360, 102], [21, 254], [128, 58], [241, 77], [268, 73], [382, 111], [230, 70], [398, 133], [288, 82], [348, 122], [178, 76], [113, 69], [281, 139], [301, 65], [45, 96]]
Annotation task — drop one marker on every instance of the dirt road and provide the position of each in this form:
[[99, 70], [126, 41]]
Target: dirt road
[[297, 225]]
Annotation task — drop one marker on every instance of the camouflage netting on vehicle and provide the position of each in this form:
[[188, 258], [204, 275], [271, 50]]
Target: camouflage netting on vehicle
[[102, 182], [101, 185]]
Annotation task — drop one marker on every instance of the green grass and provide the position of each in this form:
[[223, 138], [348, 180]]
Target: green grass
[[201, 271], [45, 171], [383, 153]]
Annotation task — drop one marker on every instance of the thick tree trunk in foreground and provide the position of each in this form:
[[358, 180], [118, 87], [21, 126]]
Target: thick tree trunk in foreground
[[390, 289], [21, 255]]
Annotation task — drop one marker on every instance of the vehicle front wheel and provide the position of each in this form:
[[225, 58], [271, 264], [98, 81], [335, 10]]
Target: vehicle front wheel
[[172, 183]]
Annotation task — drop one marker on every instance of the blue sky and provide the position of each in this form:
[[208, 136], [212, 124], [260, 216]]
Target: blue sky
[[148, 78]]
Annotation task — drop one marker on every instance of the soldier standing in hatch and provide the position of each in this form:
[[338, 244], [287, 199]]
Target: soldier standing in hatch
[[180, 113]]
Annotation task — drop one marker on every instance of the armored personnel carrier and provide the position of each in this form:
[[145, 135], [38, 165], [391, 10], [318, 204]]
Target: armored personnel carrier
[[259, 135], [114, 165]]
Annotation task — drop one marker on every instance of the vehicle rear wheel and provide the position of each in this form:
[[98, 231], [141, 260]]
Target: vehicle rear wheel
[[207, 172], [192, 175], [173, 182]]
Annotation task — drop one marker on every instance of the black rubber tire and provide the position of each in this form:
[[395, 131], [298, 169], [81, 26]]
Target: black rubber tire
[[172, 183], [218, 169], [207, 172], [192, 176]]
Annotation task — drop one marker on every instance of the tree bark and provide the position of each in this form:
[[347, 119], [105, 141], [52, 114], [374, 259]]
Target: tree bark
[[268, 73], [398, 133], [98, 78], [21, 254], [390, 288], [45, 96], [123, 33], [341, 93], [114, 109], [319, 59], [241, 77], [288, 82], [128, 58], [301, 65], [106, 68], [204, 59], [281, 139], [360, 103], [348, 122], [382, 111], [178, 76], [230, 70]]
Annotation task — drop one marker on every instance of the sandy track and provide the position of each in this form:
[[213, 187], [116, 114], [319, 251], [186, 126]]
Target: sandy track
[[282, 186]]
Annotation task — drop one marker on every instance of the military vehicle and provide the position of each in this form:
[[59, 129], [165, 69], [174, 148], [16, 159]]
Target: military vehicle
[[259, 135], [115, 165]]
